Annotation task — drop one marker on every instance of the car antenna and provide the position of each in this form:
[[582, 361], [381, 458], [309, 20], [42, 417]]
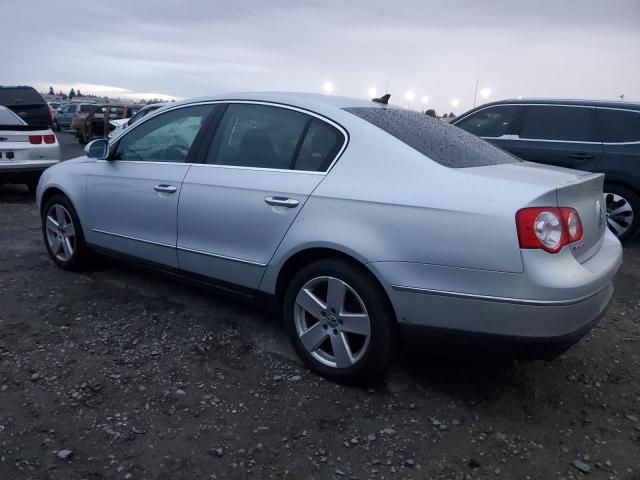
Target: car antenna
[[383, 99]]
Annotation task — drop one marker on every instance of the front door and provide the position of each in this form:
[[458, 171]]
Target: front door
[[133, 197], [261, 165]]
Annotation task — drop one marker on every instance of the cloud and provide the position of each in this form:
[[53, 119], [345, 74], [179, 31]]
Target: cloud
[[576, 48]]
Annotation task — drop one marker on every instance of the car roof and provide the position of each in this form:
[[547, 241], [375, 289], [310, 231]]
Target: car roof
[[308, 101], [566, 101]]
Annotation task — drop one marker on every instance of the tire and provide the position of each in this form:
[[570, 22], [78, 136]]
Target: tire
[[54, 126], [70, 251], [623, 211], [331, 325]]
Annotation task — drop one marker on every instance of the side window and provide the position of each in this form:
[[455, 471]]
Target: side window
[[257, 136], [576, 124], [619, 125], [69, 109], [320, 146], [490, 122], [165, 138], [87, 108]]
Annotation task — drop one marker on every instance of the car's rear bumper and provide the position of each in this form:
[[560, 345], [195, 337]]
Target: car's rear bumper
[[23, 170], [555, 301], [524, 330]]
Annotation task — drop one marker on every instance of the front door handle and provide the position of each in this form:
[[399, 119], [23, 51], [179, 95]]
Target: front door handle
[[165, 188], [581, 156], [282, 202]]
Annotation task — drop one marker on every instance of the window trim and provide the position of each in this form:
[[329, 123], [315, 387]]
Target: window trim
[[637, 112], [211, 127]]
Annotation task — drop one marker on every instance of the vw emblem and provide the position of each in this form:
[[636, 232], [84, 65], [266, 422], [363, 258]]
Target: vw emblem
[[600, 213]]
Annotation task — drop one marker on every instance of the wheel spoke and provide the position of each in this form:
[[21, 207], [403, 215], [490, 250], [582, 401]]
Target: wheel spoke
[[341, 351], [313, 337], [336, 291], [59, 214], [617, 228], [51, 224], [310, 303], [66, 246], [355, 323], [624, 208]]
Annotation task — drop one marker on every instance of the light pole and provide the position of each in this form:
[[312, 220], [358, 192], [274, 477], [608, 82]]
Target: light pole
[[410, 95], [475, 95], [327, 88]]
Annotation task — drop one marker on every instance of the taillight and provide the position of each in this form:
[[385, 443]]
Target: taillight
[[49, 138], [548, 228], [35, 139]]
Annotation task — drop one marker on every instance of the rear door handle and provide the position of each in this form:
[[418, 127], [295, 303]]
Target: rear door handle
[[581, 156], [282, 202], [165, 188]]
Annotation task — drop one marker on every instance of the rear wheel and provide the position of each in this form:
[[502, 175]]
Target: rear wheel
[[63, 235], [339, 320], [623, 210]]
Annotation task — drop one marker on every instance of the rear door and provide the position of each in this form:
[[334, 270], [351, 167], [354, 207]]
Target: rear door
[[133, 197], [259, 168], [562, 135]]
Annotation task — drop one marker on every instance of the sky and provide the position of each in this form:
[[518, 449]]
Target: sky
[[440, 49]]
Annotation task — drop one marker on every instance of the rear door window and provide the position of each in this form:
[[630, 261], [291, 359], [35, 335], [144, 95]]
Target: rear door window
[[491, 122], [320, 146], [560, 123], [441, 142], [619, 126]]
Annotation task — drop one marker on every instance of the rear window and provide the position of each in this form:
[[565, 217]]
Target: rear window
[[10, 96], [7, 117], [619, 126], [443, 143]]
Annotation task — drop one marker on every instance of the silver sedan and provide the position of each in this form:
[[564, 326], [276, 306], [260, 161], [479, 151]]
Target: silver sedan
[[364, 224]]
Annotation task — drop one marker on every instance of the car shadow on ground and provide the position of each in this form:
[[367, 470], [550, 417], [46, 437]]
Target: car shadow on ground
[[14, 193]]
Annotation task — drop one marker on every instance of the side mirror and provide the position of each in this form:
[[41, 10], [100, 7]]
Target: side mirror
[[98, 149]]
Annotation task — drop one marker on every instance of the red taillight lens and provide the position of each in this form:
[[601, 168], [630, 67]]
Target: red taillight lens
[[49, 139], [35, 139], [548, 228]]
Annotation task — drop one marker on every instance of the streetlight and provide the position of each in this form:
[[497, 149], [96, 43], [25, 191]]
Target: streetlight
[[410, 95], [373, 92], [327, 87], [424, 99], [485, 92], [454, 103]]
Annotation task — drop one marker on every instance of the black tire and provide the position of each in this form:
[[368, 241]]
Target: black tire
[[80, 258], [382, 337], [632, 198]]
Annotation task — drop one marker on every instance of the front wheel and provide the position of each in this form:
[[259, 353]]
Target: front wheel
[[63, 235], [623, 211], [340, 321]]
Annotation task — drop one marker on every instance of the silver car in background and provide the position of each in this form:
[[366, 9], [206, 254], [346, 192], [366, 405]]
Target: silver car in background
[[360, 221]]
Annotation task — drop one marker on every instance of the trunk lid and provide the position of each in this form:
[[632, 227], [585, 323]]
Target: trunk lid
[[534, 185], [585, 195]]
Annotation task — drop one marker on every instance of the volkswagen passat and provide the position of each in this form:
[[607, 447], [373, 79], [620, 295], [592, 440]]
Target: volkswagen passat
[[360, 221]]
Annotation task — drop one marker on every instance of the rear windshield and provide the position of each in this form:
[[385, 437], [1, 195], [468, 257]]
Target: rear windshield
[[11, 96], [7, 117], [443, 143]]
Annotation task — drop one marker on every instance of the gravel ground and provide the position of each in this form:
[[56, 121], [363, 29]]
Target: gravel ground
[[124, 374]]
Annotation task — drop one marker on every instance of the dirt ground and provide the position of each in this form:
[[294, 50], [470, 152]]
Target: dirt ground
[[123, 374]]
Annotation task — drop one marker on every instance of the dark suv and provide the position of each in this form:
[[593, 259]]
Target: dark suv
[[585, 135], [28, 104]]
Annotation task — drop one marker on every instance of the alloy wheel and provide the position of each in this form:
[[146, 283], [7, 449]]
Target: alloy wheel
[[332, 322], [619, 213], [61, 233]]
